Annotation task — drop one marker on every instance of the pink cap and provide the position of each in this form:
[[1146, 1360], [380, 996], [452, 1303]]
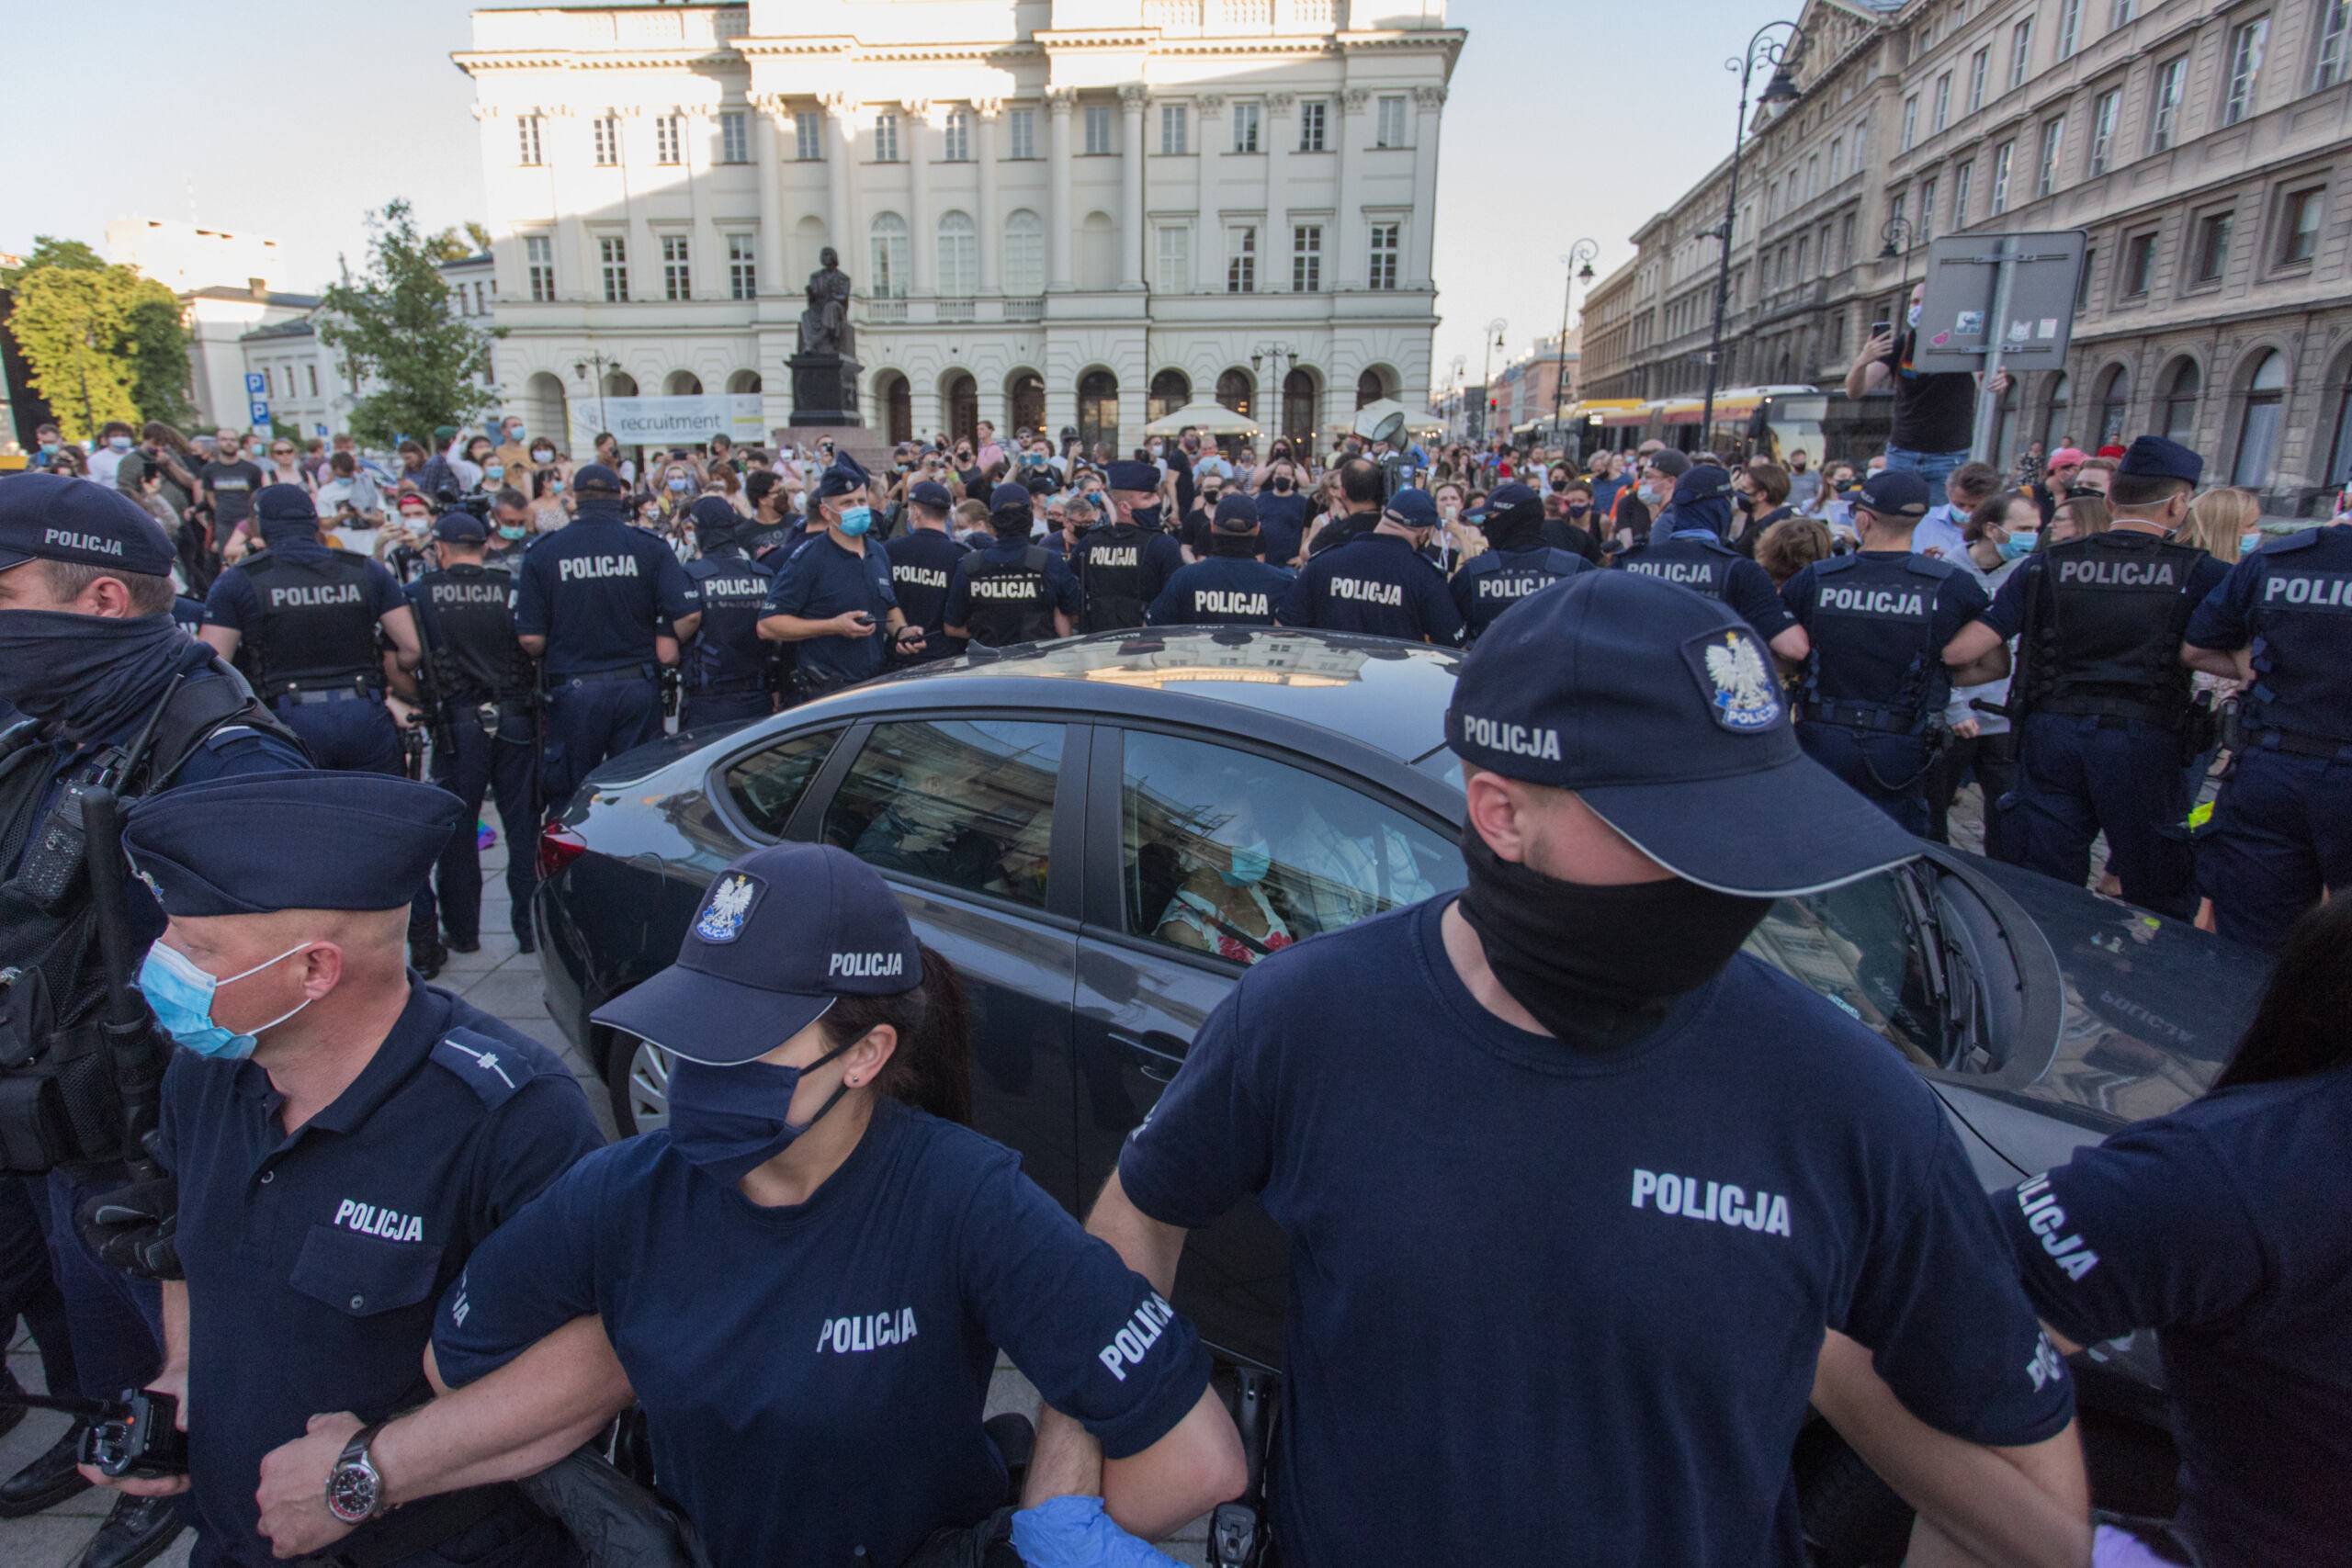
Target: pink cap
[[2068, 454]]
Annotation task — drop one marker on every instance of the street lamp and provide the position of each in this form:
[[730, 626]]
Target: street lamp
[[1582, 251], [1896, 233], [1277, 353], [1495, 330], [604, 363], [1780, 54]]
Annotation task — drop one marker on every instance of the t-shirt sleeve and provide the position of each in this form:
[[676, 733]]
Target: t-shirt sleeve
[[1098, 1341], [1064, 583], [225, 605], [528, 1279], [2225, 617], [1796, 594], [1749, 589], [1463, 588], [959, 595], [384, 593], [531, 596], [2006, 615], [2145, 1231], [542, 1130], [1438, 612], [1209, 1141], [793, 587], [678, 593], [1295, 607], [1961, 602]]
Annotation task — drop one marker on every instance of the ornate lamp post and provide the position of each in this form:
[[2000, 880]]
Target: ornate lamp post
[[604, 363], [1583, 251], [1780, 54]]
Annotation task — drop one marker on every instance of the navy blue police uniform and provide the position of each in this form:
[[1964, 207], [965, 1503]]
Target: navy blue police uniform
[[1377, 583], [1875, 679], [2100, 623], [1123, 565], [1231, 585], [1634, 1226], [2281, 831], [820, 581], [1693, 554], [188, 614], [1282, 524], [885, 1297], [483, 737], [729, 671], [600, 591], [923, 568], [1516, 563], [1010, 591], [306, 618], [314, 1259]]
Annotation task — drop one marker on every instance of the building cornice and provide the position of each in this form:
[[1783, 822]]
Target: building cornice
[[476, 62]]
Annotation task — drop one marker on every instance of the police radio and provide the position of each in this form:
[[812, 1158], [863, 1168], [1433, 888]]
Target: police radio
[[137, 1435]]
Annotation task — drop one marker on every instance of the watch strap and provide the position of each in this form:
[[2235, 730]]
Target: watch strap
[[357, 1450]]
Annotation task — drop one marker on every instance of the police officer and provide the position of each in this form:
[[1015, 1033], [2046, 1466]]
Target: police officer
[[1378, 583], [1362, 487], [481, 735], [922, 567], [1885, 626], [2099, 622], [338, 1134], [727, 668], [832, 599], [1662, 1167], [307, 620], [1014, 590], [2281, 831], [89, 658], [1230, 586], [1693, 554], [1515, 563], [601, 605], [1124, 562]]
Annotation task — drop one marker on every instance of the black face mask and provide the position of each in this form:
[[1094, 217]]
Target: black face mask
[[1598, 967], [91, 674], [1281, 484]]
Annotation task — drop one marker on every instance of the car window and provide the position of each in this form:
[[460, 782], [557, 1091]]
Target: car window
[[967, 802], [1856, 945], [1229, 853], [766, 785]]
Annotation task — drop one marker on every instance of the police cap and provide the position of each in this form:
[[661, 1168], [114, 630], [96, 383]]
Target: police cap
[[2155, 458], [845, 475], [1894, 493], [58, 517], [288, 505], [1505, 499], [1236, 514], [1705, 482], [933, 496], [461, 529], [1413, 508], [1128, 474], [596, 479], [323, 841]]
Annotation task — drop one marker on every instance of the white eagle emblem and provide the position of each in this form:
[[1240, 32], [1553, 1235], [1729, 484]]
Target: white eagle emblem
[[1745, 695], [730, 902]]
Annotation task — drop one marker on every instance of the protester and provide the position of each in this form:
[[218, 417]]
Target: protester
[[1935, 414]]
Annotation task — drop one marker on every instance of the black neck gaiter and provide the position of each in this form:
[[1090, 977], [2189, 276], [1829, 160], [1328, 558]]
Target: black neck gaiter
[[1598, 967], [92, 675]]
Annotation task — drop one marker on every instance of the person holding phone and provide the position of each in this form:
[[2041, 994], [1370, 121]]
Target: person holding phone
[[833, 597], [1935, 414]]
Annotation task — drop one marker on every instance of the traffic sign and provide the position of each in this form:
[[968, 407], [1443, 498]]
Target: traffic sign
[[259, 408], [1996, 299], [256, 384], [318, 429]]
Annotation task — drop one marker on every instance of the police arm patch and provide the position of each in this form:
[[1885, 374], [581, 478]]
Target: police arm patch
[[1734, 675]]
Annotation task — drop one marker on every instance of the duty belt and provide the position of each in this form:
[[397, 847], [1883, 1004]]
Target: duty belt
[[2298, 745], [2164, 716], [597, 677], [1861, 716], [728, 688], [332, 694]]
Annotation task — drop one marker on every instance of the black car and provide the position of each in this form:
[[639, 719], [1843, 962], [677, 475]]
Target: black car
[[1039, 813]]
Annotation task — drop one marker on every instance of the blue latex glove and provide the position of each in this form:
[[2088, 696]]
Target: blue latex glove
[[1074, 1532]]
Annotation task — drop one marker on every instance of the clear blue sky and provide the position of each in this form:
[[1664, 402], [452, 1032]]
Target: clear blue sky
[[1565, 120]]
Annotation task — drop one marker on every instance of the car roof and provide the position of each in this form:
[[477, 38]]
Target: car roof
[[1385, 694]]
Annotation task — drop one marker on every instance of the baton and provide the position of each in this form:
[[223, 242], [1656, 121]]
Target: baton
[[129, 1027]]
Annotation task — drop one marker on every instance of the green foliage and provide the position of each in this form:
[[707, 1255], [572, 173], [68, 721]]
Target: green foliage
[[102, 342], [396, 333], [51, 251], [157, 351]]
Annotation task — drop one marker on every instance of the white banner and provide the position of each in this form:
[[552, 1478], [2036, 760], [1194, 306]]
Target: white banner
[[666, 422]]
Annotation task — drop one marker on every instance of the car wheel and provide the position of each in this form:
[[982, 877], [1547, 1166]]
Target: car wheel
[[1852, 1520], [636, 1076]]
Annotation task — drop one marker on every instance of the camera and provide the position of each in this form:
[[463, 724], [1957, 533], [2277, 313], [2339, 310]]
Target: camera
[[136, 1435]]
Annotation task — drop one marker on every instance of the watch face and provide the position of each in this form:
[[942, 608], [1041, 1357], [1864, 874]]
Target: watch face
[[351, 1492]]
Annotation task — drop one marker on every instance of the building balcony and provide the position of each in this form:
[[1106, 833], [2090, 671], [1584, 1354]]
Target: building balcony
[[952, 310], [885, 312], [1029, 310]]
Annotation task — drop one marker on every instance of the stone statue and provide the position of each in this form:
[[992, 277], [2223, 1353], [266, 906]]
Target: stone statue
[[824, 325]]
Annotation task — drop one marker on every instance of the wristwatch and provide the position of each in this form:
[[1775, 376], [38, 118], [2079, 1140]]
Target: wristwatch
[[355, 1486]]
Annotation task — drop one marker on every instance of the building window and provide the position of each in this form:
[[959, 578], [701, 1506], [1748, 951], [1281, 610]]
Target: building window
[[1173, 259], [611, 252], [2020, 52], [666, 139], [885, 138], [2070, 27], [1175, 130], [2122, 13], [1980, 65], [1804, 253], [1845, 241], [2212, 247], [1837, 159], [2265, 396], [742, 267], [734, 136], [1385, 239], [1910, 123], [1241, 260], [1021, 133], [1024, 254], [607, 131], [2001, 177], [959, 256], [2299, 226], [956, 140], [1311, 114], [889, 267], [2139, 265], [2334, 44], [2083, 278], [1388, 120], [1961, 178], [539, 267], [526, 132], [2114, 406], [1307, 258], [1926, 210], [808, 136], [2054, 140], [1098, 131], [1813, 177], [677, 270], [2246, 42], [2164, 111], [2103, 116], [2176, 404], [1943, 113], [1244, 127], [311, 373]]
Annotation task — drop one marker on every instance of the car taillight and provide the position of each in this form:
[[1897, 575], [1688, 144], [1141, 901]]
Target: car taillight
[[559, 847]]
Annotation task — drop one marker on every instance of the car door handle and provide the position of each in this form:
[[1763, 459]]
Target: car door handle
[[1154, 1048]]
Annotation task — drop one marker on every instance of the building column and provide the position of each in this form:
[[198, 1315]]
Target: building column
[[1343, 264], [1280, 132], [1208, 238], [841, 145], [1059, 104], [765, 129], [1131, 102], [990, 226], [1420, 237], [923, 231]]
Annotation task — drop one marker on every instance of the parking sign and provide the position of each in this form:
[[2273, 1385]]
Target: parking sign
[[259, 408], [256, 384]]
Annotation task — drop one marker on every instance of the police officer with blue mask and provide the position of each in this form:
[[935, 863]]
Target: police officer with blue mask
[[832, 599], [602, 606], [339, 1136], [1886, 628], [307, 620], [1378, 582], [1125, 561], [811, 1269], [2099, 622], [727, 666], [1515, 563], [2282, 833], [1230, 586], [1584, 1206], [1013, 592], [923, 568], [482, 736], [1693, 554]]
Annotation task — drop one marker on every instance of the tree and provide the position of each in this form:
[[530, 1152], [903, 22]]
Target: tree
[[396, 333], [51, 251], [456, 242], [102, 342]]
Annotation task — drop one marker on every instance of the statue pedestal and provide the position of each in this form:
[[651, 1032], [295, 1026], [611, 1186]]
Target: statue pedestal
[[824, 390]]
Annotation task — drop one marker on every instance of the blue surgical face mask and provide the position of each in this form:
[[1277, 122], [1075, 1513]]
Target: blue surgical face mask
[[555, 487], [2015, 545], [1250, 864], [119, 443], [494, 471], [1911, 316], [679, 485], [2249, 541], [856, 520], [181, 995], [510, 531], [732, 1121]]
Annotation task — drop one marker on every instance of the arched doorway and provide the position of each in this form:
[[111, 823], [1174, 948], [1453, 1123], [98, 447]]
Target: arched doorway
[[619, 384], [2176, 401], [1236, 389], [744, 381], [894, 400], [1372, 386], [682, 384], [2340, 455], [2062, 408], [1298, 404], [546, 410], [1098, 412], [961, 395], [2265, 405], [1024, 400], [1170, 391], [2114, 405]]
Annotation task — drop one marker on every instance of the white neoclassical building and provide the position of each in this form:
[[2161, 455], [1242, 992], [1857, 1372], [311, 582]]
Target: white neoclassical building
[[1055, 212]]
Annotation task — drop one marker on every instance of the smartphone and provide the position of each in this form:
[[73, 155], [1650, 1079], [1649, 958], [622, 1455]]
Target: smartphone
[[1882, 329]]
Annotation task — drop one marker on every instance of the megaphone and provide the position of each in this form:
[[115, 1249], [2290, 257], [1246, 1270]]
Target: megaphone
[[1381, 428]]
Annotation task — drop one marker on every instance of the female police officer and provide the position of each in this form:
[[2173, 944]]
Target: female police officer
[[804, 1278]]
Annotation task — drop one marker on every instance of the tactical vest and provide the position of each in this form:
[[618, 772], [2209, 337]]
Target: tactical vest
[[315, 629], [2108, 618], [1889, 606], [468, 622], [1704, 566], [1112, 572], [2301, 620], [1517, 574], [1009, 601], [728, 655]]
